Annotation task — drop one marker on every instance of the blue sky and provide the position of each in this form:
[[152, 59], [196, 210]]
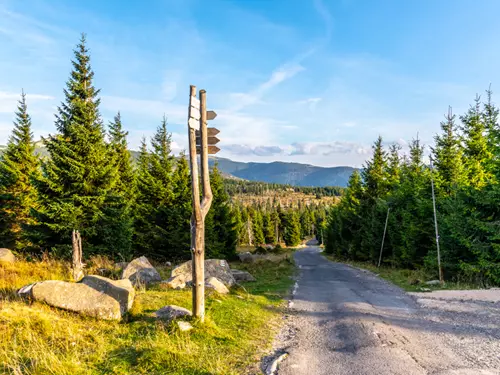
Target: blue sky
[[312, 81]]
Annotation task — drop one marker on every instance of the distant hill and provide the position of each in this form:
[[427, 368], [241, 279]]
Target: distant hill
[[295, 174]]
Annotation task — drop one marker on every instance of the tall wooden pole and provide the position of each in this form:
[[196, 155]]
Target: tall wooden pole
[[441, 278], [200, 210], [383, 237]]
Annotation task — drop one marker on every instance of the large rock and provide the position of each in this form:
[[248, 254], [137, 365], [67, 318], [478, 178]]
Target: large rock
[[217, 268], [141, 272], [171, 312], [176, 282], [121, 290], [217, 285], [97, 297], [7, 256], [246, 257], [242, 276]]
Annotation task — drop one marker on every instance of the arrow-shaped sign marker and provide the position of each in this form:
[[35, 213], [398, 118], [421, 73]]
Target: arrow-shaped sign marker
[[211, 115], [211, 132], [211, 149], [211, 140]]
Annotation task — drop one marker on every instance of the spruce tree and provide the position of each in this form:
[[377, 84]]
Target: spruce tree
[[81, 174], [220, 227], [18, 166], [448, 159], [181, 238], [292, 228], [155, 208], [477, 155], [258, 227], [269, 228]]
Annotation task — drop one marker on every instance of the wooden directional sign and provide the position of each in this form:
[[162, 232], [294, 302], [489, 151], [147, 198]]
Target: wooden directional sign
[[211, 140], [194, 113], [211, 115], [211, 149], [211, 132]]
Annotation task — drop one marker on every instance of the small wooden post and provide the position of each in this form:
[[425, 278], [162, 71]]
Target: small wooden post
[[383, 237], [77, 255], [200, 210]]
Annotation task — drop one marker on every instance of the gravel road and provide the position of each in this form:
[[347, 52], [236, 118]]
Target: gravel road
[[347, 321]]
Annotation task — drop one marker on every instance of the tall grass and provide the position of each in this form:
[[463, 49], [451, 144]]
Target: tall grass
[[37, 339]]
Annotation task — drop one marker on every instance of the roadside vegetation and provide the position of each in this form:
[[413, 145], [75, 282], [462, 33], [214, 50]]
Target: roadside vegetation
[[466, 175], [37, 339]]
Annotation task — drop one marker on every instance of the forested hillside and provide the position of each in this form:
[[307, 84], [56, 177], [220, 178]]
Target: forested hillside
[[466, 174]]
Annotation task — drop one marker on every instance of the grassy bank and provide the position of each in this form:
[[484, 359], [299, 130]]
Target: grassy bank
[[409, 280], [38, 339]]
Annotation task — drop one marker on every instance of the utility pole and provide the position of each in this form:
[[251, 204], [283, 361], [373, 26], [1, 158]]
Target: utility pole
[[199, 144], [383, 237], [441, 278]]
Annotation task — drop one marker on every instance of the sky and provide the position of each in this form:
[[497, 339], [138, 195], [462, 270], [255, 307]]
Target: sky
[[309, 81]]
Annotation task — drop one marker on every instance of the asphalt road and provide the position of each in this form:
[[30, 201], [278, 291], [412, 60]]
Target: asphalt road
[[346, 321]]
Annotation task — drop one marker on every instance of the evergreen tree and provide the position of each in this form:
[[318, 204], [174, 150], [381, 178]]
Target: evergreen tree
[[292, 228], [80, 175], [181, 238], [18, 165], [220, 228], [258, 228], [448, 159], [155, 213], [269, 229], [477, 155]]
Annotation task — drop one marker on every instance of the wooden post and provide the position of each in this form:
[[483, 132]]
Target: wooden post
[[200, 210], [383, 237], [77, 255], [440, 269]]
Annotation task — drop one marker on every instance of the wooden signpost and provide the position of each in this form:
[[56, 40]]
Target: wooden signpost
[[201, 141]]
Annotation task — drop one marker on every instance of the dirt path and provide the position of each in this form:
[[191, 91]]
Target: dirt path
[[346, 321]]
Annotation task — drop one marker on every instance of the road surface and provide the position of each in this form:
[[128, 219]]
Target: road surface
[[347, 321]]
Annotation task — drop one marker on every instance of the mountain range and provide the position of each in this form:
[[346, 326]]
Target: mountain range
[[296, 174]]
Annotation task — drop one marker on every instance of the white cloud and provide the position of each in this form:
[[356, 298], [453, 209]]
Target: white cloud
[[9, 100]]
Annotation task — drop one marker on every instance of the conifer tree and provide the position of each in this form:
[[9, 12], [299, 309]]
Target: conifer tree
[[81, 174], [181, 238], [18, 166], [220, 228], [292, 228], [477, 155], [155, 213], [269, 228], [448, 160], [258, 228]]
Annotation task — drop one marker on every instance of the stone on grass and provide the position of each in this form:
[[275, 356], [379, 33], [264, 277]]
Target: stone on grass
[[246, 257], [7, 256], [98, 297], [217, 285], [218, 268], [184, 326], [242, 276], [122, 290], [433, 282], [141, 272], [172, 312], [176, 282]]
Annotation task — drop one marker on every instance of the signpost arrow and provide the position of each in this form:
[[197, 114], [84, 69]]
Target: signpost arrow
[[211, 132], [211, 140], [211, 115], [212, 150]]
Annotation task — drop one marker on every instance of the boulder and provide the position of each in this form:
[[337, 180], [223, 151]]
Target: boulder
[[176, 282], [122, 290], [217, 285], [433, 282], [246, 257], [171, 312], [184, 326], [7, 256], [141, 272], [242, 276], [97, 297], [217, 268]]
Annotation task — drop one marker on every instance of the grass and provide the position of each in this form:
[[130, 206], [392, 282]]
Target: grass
[[409, 280], [37, 339]]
